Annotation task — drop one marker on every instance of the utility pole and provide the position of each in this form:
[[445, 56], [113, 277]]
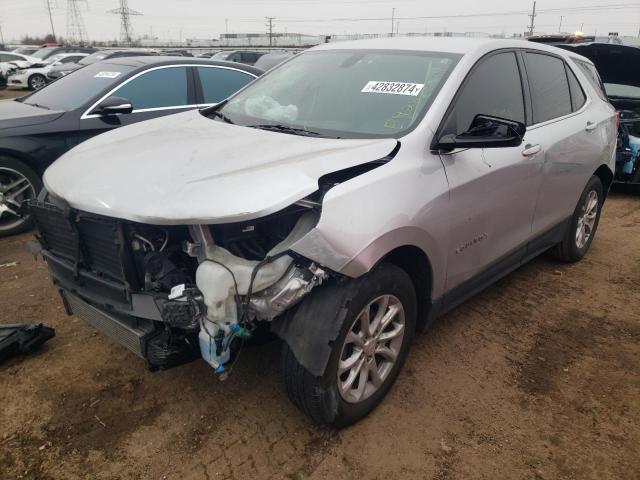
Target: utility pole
[[560, 26], [393, 15], [1, 34], [398, 28], [226, 30], [533, 16], [53, 32], [126, 31], [270, 29], [582, 27]]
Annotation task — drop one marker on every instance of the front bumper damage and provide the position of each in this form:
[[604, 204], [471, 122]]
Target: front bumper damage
[[236, 291], [89, 260]]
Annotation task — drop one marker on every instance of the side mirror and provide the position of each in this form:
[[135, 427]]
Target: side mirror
[[485, 132], [113, 106]]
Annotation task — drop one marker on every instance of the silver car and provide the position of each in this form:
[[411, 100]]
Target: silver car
[[343, 201]]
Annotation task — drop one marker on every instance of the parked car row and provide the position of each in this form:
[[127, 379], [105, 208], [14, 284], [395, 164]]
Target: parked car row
[[51, 63], [343, 200], [36, 76]]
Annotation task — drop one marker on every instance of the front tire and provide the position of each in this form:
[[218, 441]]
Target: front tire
[[584, 223], [36, 81], [18, 183], [366, 356]]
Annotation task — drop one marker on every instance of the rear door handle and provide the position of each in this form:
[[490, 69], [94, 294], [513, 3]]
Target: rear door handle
[[530, 150], [590, 126]]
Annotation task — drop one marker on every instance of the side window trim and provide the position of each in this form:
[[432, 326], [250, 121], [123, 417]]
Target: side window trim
[[86, 114], [465, 81], [569, 71], [526, 88]]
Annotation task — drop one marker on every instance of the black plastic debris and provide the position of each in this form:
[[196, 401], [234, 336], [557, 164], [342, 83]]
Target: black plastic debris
[[22, 338]]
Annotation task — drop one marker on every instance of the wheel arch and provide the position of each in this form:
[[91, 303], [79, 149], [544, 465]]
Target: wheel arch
[[415, 262], [21, 157], [604, 173]]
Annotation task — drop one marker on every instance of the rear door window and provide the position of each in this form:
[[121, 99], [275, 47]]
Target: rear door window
[[164, 87], [494, 88], [219, 83], [549, 87], [594, 78], [577, 95]]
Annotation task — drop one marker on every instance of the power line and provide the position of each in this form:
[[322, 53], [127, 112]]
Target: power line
[[622, 6], [126, 30]]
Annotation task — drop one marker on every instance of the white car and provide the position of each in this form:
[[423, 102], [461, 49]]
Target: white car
[[9, 60], [35, 77], [342, 200]]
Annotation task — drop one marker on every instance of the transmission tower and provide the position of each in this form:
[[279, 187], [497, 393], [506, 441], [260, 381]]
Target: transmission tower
[[76, 32], [533, 16], [49, 8], [126, 31]]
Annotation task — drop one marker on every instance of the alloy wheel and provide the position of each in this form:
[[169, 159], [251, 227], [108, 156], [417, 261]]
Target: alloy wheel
[[37, 82], [14, 189], [587, 219], [371, 347]]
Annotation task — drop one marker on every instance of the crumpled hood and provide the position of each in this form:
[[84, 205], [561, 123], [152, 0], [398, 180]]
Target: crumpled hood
[[18, 114], [189, 169]]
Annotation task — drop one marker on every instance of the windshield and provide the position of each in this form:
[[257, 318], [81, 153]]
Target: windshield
[[42, 53], [93, 58], [617, 90], [73, 91], [345, 93], [221, 56]]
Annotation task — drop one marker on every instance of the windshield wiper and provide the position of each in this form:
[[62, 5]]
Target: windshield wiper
[[37, 105], [221, 115], [286, 129]]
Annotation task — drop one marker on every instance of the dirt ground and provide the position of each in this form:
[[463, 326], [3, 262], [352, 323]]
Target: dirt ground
[[538, 377], [12, 93]]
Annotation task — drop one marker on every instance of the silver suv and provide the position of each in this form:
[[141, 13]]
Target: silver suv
[[343, 201]]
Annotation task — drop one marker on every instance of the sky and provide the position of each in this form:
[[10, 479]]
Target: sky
[[205, 19]]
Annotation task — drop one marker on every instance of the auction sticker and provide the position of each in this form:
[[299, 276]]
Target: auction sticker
[[393, 88], [106, 75]]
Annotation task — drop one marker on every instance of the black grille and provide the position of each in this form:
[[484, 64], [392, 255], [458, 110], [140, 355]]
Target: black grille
[[56, 231], [101, 245], [90, 242]]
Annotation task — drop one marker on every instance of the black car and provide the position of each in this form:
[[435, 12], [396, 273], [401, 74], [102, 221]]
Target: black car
[[3, 82], [36, 129], [240, 56], [100, 55], [618, 76]]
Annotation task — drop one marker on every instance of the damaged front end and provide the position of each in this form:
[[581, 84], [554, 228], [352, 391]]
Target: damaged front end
[[238, 291], [171, 294]]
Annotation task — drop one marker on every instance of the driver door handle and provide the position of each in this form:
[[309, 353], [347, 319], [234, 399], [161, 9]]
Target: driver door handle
[[590, 126], [530, 150]]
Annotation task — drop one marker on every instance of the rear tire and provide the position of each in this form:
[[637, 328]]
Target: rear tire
[[369, 358], [583, 225], [18, 183]]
